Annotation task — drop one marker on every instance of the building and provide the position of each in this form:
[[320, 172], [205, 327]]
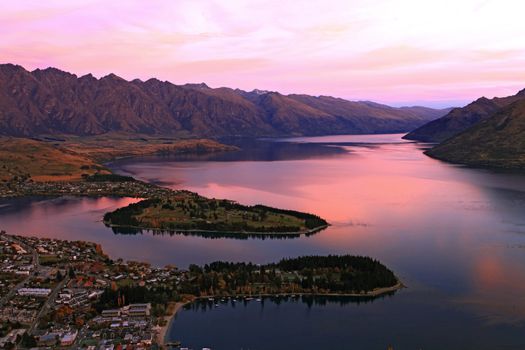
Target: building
[[111, 313], [139, 310], [68, 339], [18, 248], [34, 292], [49, 339]]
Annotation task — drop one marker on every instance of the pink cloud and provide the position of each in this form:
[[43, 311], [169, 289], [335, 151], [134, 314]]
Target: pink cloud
[[376, 50]]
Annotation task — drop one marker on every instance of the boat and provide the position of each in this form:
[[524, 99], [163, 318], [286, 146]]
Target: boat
[[175, 344]]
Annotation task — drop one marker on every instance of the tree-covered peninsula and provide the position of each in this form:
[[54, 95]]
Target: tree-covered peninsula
[[321, 275], [186, 211], [332, 275]]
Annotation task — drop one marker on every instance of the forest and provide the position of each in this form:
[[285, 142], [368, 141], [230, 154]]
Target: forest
[[331, 274]]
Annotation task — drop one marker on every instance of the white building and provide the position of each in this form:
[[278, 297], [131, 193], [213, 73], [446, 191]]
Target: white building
[[35, 292]]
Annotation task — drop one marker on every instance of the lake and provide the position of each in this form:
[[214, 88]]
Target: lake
[[454, 235]]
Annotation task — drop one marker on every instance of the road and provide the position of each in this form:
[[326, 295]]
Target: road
[[36, 267], [48, 304]]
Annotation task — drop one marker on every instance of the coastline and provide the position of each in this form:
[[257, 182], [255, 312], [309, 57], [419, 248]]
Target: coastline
[[163, 332]]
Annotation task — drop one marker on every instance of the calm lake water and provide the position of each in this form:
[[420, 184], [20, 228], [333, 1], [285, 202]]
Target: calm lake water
[[455, 236]]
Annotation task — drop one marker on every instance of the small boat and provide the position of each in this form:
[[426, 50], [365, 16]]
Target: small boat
[[175, 344]]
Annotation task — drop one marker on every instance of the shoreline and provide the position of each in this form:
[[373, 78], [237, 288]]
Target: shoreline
[[307, 232], [162, 335], [169, 318]]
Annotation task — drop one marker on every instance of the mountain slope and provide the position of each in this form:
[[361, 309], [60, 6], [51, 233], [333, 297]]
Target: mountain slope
[[370, 117], [51, 101], [498, 141], [460, 119]]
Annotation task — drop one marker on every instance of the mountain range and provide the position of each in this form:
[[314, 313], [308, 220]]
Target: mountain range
[[51, 102]]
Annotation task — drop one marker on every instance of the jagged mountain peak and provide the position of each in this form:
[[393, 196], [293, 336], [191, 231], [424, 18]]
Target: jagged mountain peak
[[52, 101], [196, 85]]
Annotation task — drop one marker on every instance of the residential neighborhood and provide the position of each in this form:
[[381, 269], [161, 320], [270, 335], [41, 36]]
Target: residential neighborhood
[[54, 295]]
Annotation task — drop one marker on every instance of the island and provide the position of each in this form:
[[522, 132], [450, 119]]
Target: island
[[70, 294], [187, 211]]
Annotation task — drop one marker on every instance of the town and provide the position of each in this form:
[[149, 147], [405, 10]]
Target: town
[[52, 294], [94, 186], [71, 295]]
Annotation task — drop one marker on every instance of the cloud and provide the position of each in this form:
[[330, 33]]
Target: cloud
[[376, 50]]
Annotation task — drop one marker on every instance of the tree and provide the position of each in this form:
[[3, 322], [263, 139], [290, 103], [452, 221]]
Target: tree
[[28, 341], [59, 276]]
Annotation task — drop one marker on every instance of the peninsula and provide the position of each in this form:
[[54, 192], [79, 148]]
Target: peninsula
[[187, 211]]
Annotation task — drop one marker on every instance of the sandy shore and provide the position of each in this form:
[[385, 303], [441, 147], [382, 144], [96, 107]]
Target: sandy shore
[[173, 308]]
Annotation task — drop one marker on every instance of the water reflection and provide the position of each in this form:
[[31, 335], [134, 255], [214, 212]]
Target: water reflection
[[408, 320], [210, 235], [454, 235], [209, 304]]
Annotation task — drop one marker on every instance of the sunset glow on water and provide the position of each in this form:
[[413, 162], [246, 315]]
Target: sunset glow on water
[[453, 235]]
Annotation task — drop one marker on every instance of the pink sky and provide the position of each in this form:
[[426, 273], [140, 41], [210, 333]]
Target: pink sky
[[436, 53]]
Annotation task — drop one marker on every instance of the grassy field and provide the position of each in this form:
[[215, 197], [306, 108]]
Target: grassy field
[[187, 211], [112, 146], [68, 159], [41, 161]]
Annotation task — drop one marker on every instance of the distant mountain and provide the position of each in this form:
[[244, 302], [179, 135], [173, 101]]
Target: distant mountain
[[51, 101], [498, 141], [460, 119]]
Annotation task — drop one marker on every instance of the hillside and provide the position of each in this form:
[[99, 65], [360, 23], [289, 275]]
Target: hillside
[[495, 142], [460, 119], [51, 102]]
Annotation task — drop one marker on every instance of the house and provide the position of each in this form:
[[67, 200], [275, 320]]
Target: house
[[49, 339], [68, 339]]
